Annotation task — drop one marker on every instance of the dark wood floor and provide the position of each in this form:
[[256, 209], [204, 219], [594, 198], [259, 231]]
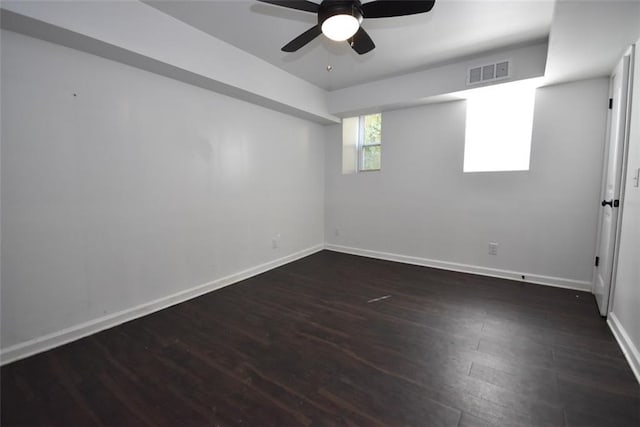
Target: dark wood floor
[[302, 345]]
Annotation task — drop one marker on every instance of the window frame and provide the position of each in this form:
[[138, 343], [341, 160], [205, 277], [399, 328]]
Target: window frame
[[361, 143]]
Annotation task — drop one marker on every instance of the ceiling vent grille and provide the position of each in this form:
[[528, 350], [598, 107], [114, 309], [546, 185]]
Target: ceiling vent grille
[[489, 72]]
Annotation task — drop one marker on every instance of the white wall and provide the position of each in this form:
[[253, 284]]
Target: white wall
[[422, 207], [168, 47], [137, 187], [626, 298], [415, 88]]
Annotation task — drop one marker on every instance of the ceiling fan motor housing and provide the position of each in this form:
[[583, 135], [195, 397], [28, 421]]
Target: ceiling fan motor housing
[[329, 8]]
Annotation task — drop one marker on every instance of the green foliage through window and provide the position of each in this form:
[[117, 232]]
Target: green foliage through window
[[372, 129], [370, 142], [371, 157]]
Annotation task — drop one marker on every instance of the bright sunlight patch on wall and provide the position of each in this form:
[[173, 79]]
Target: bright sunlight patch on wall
[[498, 129]]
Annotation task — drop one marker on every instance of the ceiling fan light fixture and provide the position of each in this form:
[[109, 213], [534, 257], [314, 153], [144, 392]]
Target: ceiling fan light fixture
[[340, 20], [340, 27]]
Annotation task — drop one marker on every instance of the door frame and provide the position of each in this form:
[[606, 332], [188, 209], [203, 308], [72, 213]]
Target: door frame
[[630, 53]]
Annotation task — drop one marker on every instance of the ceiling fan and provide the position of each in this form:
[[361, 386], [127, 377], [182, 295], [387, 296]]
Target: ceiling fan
[[340, 20]]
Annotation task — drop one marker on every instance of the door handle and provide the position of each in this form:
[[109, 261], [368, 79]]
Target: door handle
[[612, 203]]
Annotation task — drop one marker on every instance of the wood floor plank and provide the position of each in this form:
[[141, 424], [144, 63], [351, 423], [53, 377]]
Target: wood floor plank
[[619, 410], [535, 388], [335, 339]]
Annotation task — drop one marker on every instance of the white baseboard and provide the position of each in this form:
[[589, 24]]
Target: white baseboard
[[559, 282], [624, 341], [55, 339]]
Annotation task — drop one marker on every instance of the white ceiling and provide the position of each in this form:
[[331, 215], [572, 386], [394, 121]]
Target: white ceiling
[[454, 29], [425, 56], [588, 39]]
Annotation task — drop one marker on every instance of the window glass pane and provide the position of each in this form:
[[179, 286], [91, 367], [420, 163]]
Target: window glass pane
[[370, 157], [372, 129]]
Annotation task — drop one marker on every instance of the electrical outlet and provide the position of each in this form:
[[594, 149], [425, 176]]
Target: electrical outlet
[[493, 248], [336, 232], [274, 243]]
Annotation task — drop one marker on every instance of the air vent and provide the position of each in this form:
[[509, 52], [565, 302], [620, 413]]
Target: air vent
[[475, 75], [488, 72], [502, 70]]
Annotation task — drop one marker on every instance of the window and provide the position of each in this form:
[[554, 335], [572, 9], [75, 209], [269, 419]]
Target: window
[[498, 128], [361, 143], [370, 142]]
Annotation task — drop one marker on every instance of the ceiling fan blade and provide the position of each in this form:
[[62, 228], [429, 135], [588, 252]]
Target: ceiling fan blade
[[361, 42], [302, 39], [306, 6], [389, 8]]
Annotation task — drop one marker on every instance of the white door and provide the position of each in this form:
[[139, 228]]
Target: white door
[[612, 178]]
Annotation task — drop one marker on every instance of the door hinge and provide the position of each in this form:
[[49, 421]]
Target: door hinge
[[610, 103], [597, 261], [616, 203]]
